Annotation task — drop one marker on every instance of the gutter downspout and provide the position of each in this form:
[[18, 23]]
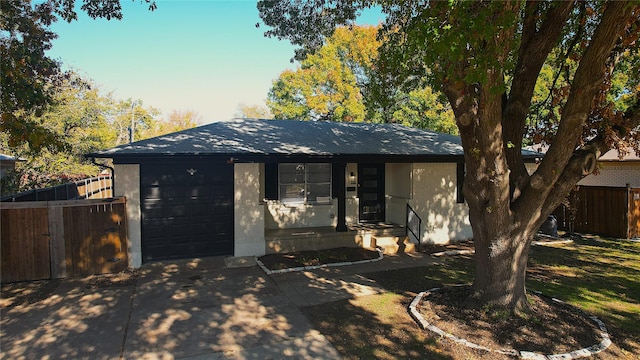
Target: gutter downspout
[[113, 183]]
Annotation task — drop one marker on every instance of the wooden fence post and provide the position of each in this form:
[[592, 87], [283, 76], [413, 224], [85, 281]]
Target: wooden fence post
[[57, 247]]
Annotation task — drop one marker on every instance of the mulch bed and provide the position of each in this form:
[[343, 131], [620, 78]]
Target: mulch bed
[[316, 257], [546, 328]]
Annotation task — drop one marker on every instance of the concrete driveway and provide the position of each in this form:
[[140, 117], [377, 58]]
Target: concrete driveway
[[195, 309]]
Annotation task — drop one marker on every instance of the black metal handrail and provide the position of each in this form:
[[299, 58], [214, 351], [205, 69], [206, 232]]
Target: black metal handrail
[[413, 224]]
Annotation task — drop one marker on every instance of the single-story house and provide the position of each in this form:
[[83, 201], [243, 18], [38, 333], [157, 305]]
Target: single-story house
[[7, 164], [233, 187]]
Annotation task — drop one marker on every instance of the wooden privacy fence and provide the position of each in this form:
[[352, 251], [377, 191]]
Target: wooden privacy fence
[[602, 210], [56, 239]]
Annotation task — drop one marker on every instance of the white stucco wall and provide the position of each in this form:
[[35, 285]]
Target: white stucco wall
[[249, 219], [284, 216], [127, 183], [531, 167], [434, 200], [610, 173]]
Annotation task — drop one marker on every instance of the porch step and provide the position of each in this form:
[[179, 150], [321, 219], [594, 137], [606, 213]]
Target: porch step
[[302, 239], [393, 244]]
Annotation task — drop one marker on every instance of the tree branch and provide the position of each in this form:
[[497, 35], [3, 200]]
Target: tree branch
[[562, 166], [561, 62], [534, 49], [586, 83], [583, 162]]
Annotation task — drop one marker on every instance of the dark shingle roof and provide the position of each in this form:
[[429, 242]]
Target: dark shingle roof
[[290, 137]]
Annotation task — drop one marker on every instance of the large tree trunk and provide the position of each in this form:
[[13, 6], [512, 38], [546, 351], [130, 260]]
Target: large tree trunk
[[506, 205], [501, 264]]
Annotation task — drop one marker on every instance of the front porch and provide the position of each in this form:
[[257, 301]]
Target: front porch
[[391, 238]]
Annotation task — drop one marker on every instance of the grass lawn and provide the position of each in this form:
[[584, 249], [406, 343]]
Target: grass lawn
[[600, 276]]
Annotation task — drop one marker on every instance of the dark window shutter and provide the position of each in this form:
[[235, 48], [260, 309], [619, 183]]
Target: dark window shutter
[[459, 182], [271, 181], [336, 170]]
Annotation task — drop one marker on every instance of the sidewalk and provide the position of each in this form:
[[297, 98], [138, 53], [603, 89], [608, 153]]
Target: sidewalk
[[196, 309]]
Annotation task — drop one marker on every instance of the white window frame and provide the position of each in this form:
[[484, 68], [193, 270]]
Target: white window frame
[[305, 183]]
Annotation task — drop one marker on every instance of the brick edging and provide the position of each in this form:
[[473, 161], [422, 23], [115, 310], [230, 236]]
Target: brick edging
[[585, 352], [314, 267]]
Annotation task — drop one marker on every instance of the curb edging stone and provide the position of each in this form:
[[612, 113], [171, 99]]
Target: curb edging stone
[[580, 353]]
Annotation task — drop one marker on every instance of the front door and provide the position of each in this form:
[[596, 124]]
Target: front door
[[371, 192]]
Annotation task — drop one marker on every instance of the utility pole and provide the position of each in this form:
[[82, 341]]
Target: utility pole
[[132, 127]]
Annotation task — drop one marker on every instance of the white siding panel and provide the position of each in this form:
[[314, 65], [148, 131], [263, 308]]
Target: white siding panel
[[281, 216]]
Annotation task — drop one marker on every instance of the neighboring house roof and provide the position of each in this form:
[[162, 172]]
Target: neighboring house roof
[[8, 162], [611, 155], [4, 157], [240, 137]]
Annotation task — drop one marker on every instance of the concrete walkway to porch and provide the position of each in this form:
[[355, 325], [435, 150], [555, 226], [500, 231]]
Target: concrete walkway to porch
[[314, 287], [187, 309]]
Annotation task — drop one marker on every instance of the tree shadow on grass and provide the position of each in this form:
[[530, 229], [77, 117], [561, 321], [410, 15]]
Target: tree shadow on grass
[[379, 326], [600, 276], [411, 281], [388, 333]]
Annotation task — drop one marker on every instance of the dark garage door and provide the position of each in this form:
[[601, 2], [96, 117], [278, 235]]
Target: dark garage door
[[187, 210]]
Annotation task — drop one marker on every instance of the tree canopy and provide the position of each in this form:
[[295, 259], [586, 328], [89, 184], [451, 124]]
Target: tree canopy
[[252, 112], [29, 76], [88, 120], [327, 84], [487, 57], [341, 82]]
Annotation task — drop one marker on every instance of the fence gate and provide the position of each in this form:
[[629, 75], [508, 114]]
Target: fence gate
[[95, 239], [634, 213], [55, 239], [25, 244]]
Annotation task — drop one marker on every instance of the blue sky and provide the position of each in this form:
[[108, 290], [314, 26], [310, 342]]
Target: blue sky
[[206, 56]]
